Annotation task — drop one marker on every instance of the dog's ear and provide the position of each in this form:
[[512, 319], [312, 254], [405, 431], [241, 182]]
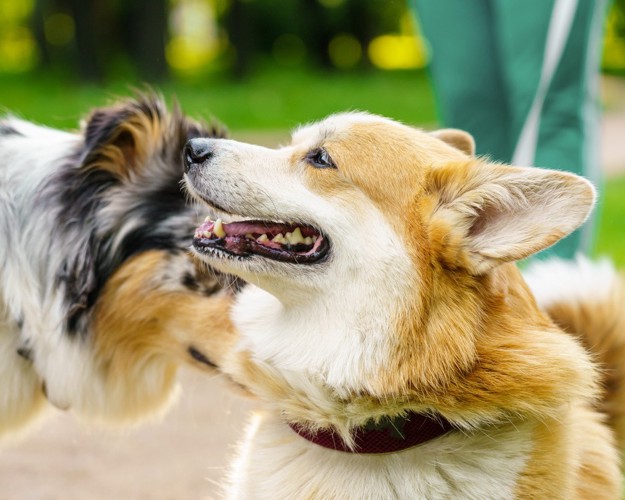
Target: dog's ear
[[120, 138], [123, 138], [456, 138], [487, 214]]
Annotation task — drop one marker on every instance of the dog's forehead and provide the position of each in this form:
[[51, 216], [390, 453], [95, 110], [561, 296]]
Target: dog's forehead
[[337, 126], [365, 133]]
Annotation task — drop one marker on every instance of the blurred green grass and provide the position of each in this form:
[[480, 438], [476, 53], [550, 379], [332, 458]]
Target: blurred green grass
[[611, 234], [271, 100]]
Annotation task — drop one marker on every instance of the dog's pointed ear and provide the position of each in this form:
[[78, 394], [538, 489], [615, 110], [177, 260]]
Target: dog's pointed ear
[[456, 138], [487, 214]]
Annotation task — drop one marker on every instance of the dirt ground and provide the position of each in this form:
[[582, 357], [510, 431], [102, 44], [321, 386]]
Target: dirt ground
[[184, 455], [181, 457]]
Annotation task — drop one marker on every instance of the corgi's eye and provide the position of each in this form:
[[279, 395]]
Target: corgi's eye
[[319, 158]]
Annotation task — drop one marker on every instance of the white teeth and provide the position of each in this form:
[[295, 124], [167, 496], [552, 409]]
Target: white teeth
[[278, 238], [296, 237], [218, 229], [290, 238], [203, 234]]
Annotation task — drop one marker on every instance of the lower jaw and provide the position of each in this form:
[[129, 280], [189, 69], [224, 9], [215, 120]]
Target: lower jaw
[[220, 253], [275, 256]]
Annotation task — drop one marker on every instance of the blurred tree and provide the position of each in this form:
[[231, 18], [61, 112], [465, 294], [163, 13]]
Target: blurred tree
[[241, 28], [88, 18], [91, 36], [253, 26], [97, 39], [147, 23], [316, 30], [619, 6], [38, 30], [614, 39]]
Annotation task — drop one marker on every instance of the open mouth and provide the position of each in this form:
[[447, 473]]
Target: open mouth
[[295, 243]]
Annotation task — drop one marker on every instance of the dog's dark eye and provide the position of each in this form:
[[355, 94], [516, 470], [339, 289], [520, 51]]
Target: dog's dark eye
[[319, 158]]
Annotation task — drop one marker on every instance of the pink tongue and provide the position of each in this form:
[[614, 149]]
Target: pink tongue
[[235, 228], [242, 228]]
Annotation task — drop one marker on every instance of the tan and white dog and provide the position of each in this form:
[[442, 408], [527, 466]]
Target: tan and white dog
[[394, 345]]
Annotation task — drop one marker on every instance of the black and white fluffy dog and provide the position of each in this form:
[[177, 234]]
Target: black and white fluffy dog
[[99, 299]]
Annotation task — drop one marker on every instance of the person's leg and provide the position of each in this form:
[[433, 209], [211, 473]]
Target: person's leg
[[569, 130], [465, 71], [531, 42], [549, 87]]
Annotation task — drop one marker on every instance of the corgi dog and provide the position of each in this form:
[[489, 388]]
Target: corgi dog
[[98, 291], [394, 346]]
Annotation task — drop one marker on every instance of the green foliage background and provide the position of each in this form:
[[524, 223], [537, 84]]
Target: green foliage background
[[90, 52]]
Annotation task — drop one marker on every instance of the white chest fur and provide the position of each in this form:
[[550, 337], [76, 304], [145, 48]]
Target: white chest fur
[[274, 462], [336, 341]]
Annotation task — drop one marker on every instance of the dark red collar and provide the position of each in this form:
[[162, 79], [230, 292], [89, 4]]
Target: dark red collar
[[388, 436]]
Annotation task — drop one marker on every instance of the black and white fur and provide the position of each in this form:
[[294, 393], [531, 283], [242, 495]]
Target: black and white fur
[[75, 208]]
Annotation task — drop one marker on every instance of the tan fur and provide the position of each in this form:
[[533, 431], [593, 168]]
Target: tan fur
[[137, 138], [128, 146], [600, 324], [466, 340], [141, 322], [574, 458], [100, 299], [141, 316], [457, 138]]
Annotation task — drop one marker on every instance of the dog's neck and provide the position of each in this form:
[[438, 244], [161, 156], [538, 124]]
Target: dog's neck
[[273, 459], [328, 336], [386, 435]]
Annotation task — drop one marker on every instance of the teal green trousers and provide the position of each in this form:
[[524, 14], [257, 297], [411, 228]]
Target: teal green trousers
[[521, 76]]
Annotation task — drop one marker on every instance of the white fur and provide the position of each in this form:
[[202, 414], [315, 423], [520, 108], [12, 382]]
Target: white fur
[[315, 338], [39, 242], [20, 397], [557, 280], [30, 261], [458, 466], [334, 125], [28, 278], [259, 183], [28, 283], [325, 331]]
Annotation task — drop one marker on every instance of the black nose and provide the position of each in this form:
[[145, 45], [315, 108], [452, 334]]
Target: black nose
[[197, 151]]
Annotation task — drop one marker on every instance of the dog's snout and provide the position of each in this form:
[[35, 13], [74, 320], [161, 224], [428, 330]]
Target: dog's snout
[[197, 151]]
